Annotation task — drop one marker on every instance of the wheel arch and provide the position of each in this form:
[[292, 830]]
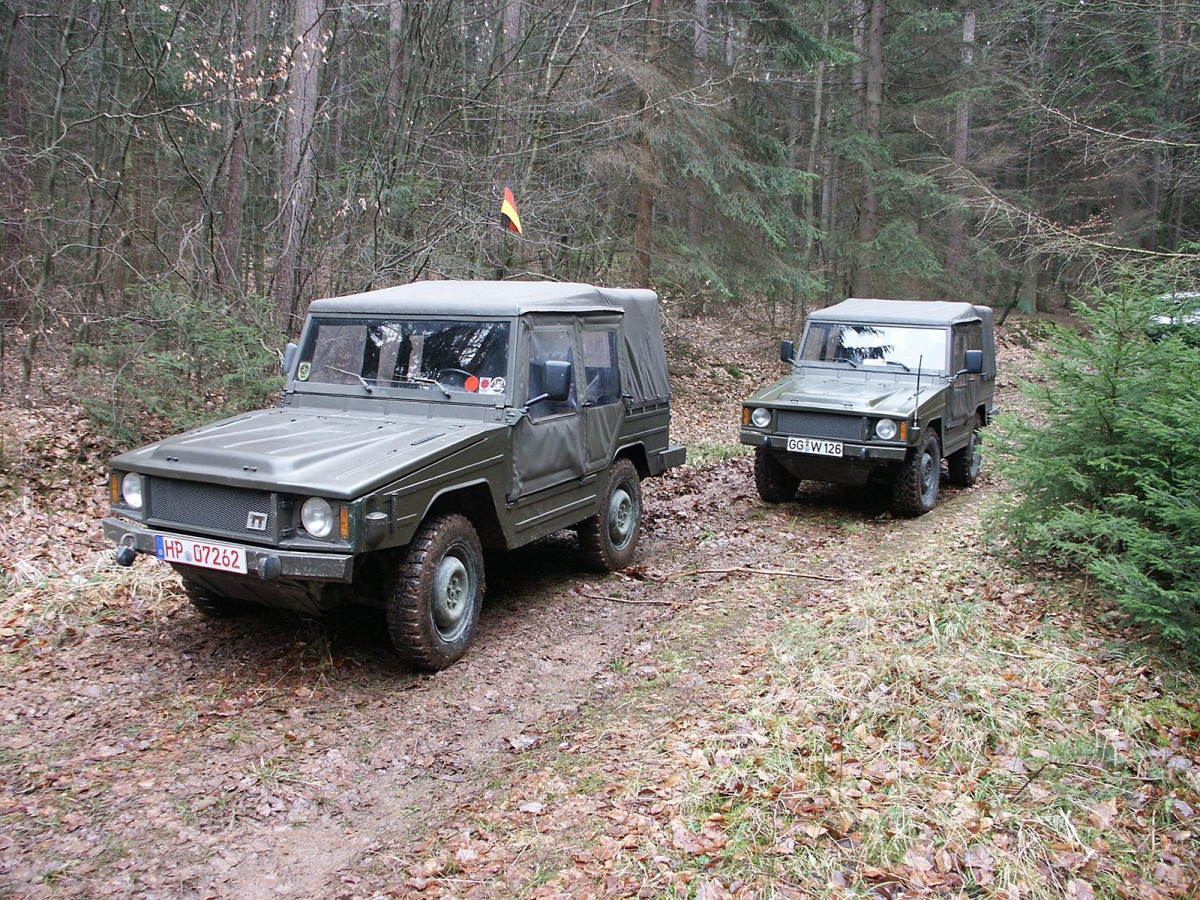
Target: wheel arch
[[636, 454], [477, 504], [935, 425]]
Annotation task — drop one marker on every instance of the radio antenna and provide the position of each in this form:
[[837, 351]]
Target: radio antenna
[[917, 393]]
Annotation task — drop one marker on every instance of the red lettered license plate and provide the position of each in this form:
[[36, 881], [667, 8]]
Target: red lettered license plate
[[205, 554]]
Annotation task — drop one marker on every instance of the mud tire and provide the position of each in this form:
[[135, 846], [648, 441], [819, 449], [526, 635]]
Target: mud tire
[[433, 607], [964, 464], [608, 539], [775, 483], [915, 490]]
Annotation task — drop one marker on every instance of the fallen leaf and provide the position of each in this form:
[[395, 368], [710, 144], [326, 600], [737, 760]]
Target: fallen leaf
[[1102, 814]]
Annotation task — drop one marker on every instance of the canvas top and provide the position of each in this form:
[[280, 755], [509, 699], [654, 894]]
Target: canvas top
[[899, 312], [483, 298]]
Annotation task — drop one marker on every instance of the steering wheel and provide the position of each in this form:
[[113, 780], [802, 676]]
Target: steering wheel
[[461, 374]]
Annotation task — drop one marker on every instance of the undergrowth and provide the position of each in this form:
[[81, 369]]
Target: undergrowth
[[182, 362], [1107, 470]]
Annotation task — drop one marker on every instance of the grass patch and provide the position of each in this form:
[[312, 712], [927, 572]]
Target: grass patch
[[705, 453], [943, 730]]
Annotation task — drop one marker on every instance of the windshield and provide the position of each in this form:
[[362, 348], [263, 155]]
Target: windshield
[[897, 347], [448, 357]]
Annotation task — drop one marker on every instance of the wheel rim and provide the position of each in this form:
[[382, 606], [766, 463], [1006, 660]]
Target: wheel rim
[[976, 458], [622, 517], [452, 594], [929, 475]]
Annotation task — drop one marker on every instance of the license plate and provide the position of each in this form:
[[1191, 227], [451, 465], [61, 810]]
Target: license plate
[[812, 445], [205, 554]]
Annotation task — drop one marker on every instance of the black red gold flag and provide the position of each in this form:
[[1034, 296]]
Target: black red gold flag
[[508, 212]]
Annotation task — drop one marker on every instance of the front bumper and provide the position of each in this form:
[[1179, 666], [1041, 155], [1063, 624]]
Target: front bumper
[[850, 450], [266, 563]]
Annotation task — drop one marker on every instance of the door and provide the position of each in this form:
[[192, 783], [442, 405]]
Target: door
[[964, 393], [547, 442], [603, 409]]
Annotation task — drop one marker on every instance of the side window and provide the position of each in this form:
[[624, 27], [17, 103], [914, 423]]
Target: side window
[[601, 369], [959, 359], [543, 347], [966, 337]]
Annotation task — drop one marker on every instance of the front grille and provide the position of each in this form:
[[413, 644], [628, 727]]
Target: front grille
[[822, 425], [210, 506]]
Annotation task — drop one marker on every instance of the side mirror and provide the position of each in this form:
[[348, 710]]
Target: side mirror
[[556, 378], [787, 351], [289, 357], [974, 362]]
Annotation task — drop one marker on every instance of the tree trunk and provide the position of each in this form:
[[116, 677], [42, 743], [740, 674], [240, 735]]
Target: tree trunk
[[696, 194], [292, 272], [806, 208], [962, 134], [858, 34], [643, 228], [15, 165], [868, 221], [395, 83], [46, 269], [230, 238], [508, 139]]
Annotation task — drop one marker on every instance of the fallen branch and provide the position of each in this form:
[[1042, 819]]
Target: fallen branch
[[744, 570], [624, 600]]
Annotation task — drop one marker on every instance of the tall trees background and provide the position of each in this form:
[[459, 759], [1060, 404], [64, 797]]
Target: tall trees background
[[237, 159]]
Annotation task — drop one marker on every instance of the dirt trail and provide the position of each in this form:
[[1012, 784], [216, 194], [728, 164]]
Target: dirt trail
[[151, 753]]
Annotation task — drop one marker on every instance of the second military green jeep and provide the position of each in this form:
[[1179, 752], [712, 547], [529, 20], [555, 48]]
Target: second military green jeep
[[419, 425], [879, 393]]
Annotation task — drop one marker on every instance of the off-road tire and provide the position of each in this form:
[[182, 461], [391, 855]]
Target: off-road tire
[[608, 539], [915, 490], [214, 606], [963, 464], [434, 604], [775, 483]]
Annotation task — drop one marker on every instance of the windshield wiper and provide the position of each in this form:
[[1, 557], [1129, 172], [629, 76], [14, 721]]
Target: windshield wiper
[[845, 359], [361, 380], [420, 379], [896, 362]]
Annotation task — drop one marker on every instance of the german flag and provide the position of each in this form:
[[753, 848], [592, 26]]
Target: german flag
[[508, 212]]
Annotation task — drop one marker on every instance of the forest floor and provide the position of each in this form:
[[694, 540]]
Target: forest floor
[[805, 700]]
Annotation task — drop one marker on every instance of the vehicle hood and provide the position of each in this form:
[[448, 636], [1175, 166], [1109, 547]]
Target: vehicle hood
[[855, 392], [334, 454]]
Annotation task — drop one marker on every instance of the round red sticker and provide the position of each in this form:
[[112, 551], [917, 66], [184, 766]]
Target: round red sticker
[[471, 384]]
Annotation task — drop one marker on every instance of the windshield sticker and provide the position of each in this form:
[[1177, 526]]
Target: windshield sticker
[[496, 385], [304, 371], [471, 384]]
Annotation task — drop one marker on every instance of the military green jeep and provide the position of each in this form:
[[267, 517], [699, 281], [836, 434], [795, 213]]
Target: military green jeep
[[879, 393], [418, 425]]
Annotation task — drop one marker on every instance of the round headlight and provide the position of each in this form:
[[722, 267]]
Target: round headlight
[[131, 490], [885, 429], [317, 516], [761, 418]]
